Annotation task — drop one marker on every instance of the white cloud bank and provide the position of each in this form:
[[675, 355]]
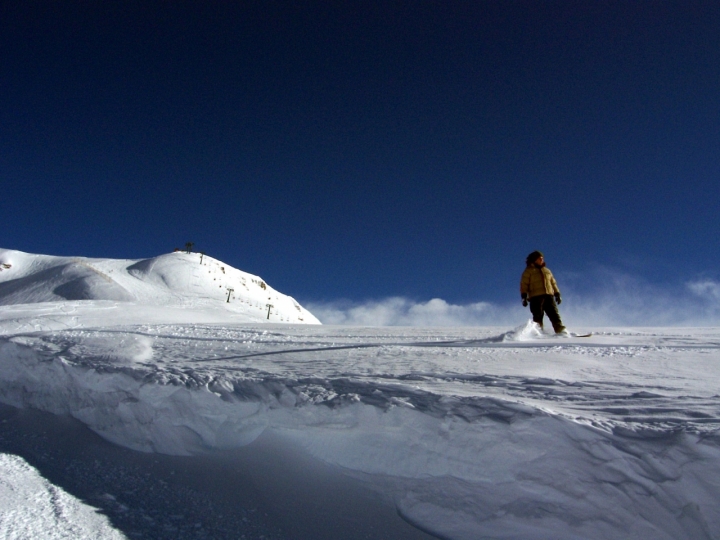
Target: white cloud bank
[[397, 311], [621, 301], [706, 288]]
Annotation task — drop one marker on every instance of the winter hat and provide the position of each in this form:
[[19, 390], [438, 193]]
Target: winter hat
[[533, 257]]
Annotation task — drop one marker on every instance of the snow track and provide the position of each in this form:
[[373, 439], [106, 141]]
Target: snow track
[[470, 433]]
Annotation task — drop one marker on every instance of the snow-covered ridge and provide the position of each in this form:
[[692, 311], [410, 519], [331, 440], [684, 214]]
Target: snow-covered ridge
[[187, 280]]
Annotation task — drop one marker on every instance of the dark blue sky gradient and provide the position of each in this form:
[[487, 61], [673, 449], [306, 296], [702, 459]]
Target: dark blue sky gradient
[[366, 149]]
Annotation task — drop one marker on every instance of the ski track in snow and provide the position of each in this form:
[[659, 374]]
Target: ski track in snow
[[471, 431]]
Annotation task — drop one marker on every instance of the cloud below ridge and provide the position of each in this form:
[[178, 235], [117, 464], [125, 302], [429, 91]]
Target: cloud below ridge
[[622, 301], [398, 311]]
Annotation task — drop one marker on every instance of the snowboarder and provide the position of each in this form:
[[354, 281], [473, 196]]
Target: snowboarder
[[539, 288]]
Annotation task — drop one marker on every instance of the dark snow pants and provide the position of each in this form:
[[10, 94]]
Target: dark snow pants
[[545, 304]]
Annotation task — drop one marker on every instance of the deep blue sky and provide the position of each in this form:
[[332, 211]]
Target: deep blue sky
[[367, 149]]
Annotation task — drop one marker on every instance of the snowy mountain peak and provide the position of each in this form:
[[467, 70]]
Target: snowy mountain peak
[[179, 279]]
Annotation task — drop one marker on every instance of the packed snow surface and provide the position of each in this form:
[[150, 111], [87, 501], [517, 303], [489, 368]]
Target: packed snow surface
[[472, 432]]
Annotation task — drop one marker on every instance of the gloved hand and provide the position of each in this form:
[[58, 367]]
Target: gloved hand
[[524, 299], [558, 300]]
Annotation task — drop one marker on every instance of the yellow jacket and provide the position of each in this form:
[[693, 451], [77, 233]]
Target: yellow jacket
[[536, 281]]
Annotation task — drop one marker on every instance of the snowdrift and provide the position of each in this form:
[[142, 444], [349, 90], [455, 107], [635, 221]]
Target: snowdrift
[[472, 433], [52, 509], [184, 280]]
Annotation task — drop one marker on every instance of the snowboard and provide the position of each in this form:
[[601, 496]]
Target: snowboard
[[570, 335]]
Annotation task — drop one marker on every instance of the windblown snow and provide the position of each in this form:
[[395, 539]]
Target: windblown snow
[[470, 432]]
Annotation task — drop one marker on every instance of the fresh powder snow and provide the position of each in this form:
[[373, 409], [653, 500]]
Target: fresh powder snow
[[464, 433]]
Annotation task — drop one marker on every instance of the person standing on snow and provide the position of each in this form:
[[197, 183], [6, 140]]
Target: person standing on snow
[[538, 286]]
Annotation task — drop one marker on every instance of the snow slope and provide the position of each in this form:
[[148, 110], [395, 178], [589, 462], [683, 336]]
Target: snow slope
[[472, 433], [52, 514], [184, 280]]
